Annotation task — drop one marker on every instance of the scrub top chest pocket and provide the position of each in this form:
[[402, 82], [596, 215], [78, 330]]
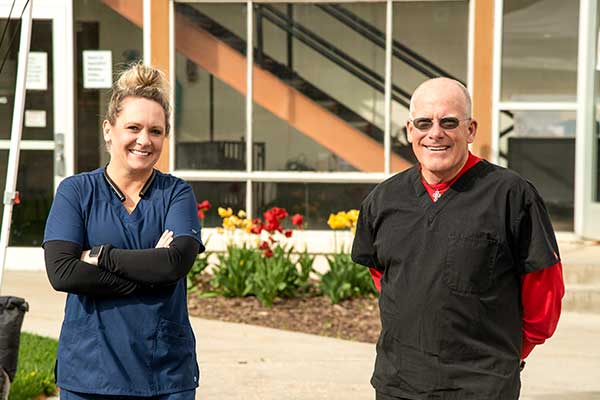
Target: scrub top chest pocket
[[470, 263]]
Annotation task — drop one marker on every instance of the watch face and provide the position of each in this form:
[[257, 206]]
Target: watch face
[[96, 250]]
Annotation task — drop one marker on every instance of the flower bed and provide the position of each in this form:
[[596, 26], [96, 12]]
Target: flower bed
[[262, 260]]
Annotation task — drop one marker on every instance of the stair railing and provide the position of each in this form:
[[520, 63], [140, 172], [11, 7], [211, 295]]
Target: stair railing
[[332, 53]]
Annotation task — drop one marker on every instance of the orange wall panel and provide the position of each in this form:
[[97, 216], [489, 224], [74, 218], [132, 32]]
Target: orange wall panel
[[483, 58]]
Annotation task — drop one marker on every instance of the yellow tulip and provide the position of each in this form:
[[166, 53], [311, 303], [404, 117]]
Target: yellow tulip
[[337, 221], [229, 223], [247, 225], [242, 214], [224, 213], [331, 221], [352, 215]]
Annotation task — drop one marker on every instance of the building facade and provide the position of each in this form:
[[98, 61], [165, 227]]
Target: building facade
[[303, 105]]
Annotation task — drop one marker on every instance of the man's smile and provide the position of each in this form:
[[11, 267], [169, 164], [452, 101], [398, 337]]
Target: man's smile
[[436, 148]]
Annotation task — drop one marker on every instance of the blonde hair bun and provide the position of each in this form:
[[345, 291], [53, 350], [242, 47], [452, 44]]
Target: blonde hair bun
[[139, 80]]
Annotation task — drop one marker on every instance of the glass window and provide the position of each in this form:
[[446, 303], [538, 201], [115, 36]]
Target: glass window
[[35, 186], [100, 27], [540, 146], [430, 39], [539, 50], [315, 201], [318, 88], [210, 87], [36, 100], [220, 194]]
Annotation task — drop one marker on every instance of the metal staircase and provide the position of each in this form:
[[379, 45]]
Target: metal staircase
[[284, 92], [296, 81]]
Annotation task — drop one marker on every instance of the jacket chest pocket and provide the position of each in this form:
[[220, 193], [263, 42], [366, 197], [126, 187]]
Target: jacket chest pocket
[[470, 263]]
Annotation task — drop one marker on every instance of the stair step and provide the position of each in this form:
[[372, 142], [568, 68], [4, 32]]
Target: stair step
[[582, 298]]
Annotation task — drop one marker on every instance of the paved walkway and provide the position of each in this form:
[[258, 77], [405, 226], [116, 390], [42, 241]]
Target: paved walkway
[[247, 362]]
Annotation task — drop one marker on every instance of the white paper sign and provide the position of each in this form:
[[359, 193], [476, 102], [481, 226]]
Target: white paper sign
[[35, 118], [37, 71], [97, 69]]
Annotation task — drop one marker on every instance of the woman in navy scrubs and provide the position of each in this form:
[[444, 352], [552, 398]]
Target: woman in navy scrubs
[[120, 241]]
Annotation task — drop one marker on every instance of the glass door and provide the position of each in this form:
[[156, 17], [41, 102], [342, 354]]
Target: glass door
[[47, 144]]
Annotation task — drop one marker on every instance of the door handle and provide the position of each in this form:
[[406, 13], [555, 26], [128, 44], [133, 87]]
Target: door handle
[[59, 154]]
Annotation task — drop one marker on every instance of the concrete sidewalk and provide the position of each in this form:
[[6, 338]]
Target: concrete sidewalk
[[248, 362]]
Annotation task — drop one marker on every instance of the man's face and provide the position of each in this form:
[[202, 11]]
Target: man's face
[[441, 151]]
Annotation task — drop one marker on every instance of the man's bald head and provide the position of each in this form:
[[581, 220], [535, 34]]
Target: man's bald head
[[443, 87]]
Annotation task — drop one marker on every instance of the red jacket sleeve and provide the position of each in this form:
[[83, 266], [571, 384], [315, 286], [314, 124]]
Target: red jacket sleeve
[[541, 293], [376, 275]]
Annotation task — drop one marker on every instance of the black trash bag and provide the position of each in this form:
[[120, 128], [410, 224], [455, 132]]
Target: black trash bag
[[12, 311], [4, 385]]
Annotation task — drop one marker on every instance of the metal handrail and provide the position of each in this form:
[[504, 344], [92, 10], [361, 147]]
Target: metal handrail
[[376, 36], [332, 53], [370, 32]]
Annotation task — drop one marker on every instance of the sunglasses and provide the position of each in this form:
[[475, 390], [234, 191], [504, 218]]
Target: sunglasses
[[425, 124]]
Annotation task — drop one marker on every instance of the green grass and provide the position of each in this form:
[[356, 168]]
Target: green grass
[[35, 372]]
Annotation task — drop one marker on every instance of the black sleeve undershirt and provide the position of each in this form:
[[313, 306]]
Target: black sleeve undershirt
[[121, 272], [152, 266], [67, 273]]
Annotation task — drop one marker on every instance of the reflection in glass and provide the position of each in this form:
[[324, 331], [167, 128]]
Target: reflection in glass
[[539, 50], [35, 183], [540, 146], [313, 200], [99, 27], [318, 91], [210, 84], [39, 103], [430, 39], [220, 194]]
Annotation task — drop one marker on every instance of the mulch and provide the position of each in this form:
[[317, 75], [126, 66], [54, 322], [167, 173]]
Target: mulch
[[354, 319]]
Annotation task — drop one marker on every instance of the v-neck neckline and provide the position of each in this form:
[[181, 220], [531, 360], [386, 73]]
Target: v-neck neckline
[[433, 208], [120, 196]]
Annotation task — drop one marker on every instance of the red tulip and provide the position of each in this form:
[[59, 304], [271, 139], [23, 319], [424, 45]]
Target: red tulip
[[268, 253], [204, 206], [275, 215], [288, 233], [273, 227], [264, 246], [257, 226], [297, 220]]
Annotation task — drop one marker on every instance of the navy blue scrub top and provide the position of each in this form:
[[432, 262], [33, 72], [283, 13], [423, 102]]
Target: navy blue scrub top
[[140, 344]]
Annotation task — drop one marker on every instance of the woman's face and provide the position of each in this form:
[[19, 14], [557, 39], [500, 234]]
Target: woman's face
[[136, 139]]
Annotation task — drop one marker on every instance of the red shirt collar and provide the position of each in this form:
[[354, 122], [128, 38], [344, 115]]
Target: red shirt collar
[[443, 186]]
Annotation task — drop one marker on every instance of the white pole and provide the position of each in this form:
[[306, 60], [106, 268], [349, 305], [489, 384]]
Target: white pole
[[249, 101], [146, 32], [15, 136], [585, 137], [387, 144], [497, 79]]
